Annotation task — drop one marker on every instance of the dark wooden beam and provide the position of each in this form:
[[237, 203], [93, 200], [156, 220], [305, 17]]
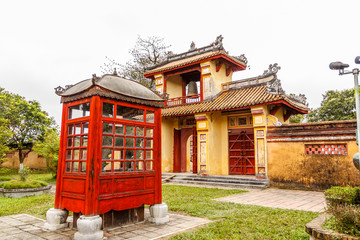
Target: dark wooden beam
[[287, 115], [218, 66], [183, 70], [228, 71], [274, 110]]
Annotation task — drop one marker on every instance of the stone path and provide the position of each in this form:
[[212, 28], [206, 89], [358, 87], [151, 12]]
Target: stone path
[[26, 227], [279, 198]]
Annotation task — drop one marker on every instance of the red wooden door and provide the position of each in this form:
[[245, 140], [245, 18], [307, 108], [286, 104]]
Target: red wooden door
[[241, 153]]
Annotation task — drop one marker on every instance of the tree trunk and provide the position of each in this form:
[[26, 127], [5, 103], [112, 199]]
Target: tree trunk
[[21, 159]]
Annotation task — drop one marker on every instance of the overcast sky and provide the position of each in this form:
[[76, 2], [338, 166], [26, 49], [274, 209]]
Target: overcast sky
[[44, 44]]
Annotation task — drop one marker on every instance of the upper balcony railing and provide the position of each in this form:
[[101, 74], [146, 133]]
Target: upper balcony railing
[[183, 100]]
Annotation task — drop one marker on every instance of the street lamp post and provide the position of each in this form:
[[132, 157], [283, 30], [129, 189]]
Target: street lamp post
[[341, 67]]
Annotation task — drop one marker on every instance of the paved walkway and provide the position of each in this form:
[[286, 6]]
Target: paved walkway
[[26, 227], [279, 198]]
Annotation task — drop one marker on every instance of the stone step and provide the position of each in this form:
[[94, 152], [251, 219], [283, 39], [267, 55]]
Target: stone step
[[229, 181], [219, 184]]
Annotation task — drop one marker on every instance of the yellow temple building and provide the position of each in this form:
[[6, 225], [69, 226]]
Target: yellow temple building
[[213, 125]]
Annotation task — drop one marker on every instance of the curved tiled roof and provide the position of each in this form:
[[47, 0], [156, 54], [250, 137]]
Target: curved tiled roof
[[116, 85], [190, 60], [234, 99]]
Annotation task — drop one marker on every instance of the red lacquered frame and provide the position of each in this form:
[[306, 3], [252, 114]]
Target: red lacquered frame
[[96, 192]]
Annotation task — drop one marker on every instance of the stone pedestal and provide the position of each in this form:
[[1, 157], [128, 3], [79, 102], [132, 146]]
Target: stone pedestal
[[89, 228], [159, 213], [56, 219]]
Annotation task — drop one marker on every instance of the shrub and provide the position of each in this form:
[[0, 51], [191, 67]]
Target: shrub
[[17, 184], [342, 195], [7, 171], [4, 178], [344, 204], [24, 173]]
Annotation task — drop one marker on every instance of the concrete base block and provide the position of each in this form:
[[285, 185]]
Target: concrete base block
[[89, 228], [56, 219], [159, 213]]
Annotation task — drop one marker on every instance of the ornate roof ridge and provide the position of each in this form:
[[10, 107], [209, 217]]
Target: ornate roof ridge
[[216, 46]]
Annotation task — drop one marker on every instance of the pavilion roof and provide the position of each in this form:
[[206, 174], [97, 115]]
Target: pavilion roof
[[197, 55]]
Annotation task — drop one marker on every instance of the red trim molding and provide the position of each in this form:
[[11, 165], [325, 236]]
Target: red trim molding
[[257, 112], [201, 118]]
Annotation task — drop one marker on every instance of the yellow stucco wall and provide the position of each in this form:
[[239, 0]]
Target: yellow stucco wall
[[174, 86], [167, 143], [219, 77], [218, 153], [287, 162], [31, 161]]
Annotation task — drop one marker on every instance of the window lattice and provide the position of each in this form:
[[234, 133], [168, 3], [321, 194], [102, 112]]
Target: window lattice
[[326, 149]]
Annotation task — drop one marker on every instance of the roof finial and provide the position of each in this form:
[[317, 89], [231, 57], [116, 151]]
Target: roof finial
[[115, 72], [218, 42], [94, 78], [192, 46]]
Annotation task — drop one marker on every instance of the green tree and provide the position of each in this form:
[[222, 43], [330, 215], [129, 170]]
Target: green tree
[[298, 118], [146, 53], [4, 136], [336, 105], [49, 149], [24, 122]]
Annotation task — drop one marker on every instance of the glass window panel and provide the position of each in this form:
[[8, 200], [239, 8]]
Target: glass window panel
[[148, 143], [119, 129], [118, 166], [150, 116], [107, 141], [70, 142], [68, 167], [78, 111], [76, 154], [118, 154], [139, 154], [78, 129], [129, 154], [84, 141], [106, 153], [149, 165], [139, 166], [107, 127], [139, 131], [68, 154], [85, 129], [129, 113], [77, 141], [70, 130], [119, 141], [129, 142], [130, 130], [242, 121], [83, 155], [105, 166], [149, 132], [139, 142], [129, 166], [83, 167], [75, 167], [149, 154], [108, 110]]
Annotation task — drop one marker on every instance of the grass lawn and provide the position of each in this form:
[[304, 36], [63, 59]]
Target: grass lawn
[[231, 221], [32, 205], [234, 221]]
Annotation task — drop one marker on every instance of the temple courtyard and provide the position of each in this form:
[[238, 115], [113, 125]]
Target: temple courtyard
[[24, 226]]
